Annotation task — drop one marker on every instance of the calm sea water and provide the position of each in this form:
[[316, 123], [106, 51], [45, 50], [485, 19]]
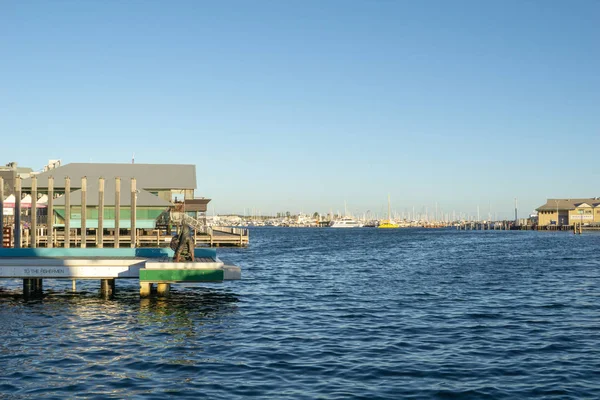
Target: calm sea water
[[327, 314]]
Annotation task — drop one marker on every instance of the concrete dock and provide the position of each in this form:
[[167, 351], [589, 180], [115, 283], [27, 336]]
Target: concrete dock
[[149, 265]]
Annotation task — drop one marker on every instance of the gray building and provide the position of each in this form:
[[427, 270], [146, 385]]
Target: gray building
[[162, 180], [156, 187], [9, 172]]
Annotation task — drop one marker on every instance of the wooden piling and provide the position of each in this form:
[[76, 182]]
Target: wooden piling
[[1, 212], [163, 289], [33, 287], [100, 212], [28, 288], [133, 210], [67, 243], [145, 289], [50, 220], [33, 211], [38, 286], [17, 215], [107, 287], [117, 210], [84, 212]]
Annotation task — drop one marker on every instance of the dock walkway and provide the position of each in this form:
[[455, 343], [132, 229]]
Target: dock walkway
[[149, 265]]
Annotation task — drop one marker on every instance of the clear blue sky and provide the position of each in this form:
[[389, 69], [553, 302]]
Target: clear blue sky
[[302, 105]]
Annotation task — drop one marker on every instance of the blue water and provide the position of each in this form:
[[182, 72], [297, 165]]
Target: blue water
[[328, 314]]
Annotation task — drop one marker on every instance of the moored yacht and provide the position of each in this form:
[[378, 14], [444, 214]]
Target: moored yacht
[[345, 222], [389, 223]]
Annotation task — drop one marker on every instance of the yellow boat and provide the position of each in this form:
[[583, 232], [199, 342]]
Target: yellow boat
[[388, 223]]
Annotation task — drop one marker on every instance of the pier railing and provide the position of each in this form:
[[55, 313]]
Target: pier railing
[[198, 226], [213, 236], [230, 230]]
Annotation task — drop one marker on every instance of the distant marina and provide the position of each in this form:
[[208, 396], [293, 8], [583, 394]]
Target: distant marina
[[306, 221], [555, 215], [162, 196]]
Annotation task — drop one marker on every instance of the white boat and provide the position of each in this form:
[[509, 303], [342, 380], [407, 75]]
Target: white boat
[[345, 222]]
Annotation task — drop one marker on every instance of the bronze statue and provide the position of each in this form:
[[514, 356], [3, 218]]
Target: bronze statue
[[183, 245]]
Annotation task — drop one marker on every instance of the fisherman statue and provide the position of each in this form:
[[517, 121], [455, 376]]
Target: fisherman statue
[[183, 245]]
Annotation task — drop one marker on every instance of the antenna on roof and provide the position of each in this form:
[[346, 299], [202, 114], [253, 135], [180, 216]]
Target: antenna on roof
[[133, 158]]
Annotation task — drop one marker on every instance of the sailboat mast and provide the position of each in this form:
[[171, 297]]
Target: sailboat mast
[[389, 209]]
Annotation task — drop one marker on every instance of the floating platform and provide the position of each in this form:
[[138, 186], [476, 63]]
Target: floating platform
[[149, 265]]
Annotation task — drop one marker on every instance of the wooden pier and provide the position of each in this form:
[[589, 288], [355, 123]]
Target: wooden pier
[[223, 236], [213, 237], [510, 225], [487, 226], [43, 231], [37, 249]]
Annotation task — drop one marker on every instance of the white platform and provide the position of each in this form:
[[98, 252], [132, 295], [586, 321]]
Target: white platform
[[98, 268]]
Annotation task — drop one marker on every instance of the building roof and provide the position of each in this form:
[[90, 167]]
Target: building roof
[[196, 204], [148, 176], [568, 204], [144, 199]]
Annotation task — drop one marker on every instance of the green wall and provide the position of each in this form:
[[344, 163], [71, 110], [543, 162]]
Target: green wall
[[145, 217]]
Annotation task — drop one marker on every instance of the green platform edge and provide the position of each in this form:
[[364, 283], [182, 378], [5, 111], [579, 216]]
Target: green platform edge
[[181, 275]]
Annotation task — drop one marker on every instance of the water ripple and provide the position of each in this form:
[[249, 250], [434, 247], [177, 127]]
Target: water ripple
[[324, 313]]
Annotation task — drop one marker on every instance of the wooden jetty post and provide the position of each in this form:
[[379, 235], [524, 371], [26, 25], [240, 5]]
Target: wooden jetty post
[[17, 212], [100, 243], [84, 211], [163, 289], [33, 211], [38, 287], [107, 287], [117, 211], [1, 212], [133, 211], [67, 212], [27, 287], [145, 289], [32, 287], [50, 220]]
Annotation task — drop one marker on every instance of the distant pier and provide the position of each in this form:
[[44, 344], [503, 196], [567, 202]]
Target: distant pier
[[512, 226]]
